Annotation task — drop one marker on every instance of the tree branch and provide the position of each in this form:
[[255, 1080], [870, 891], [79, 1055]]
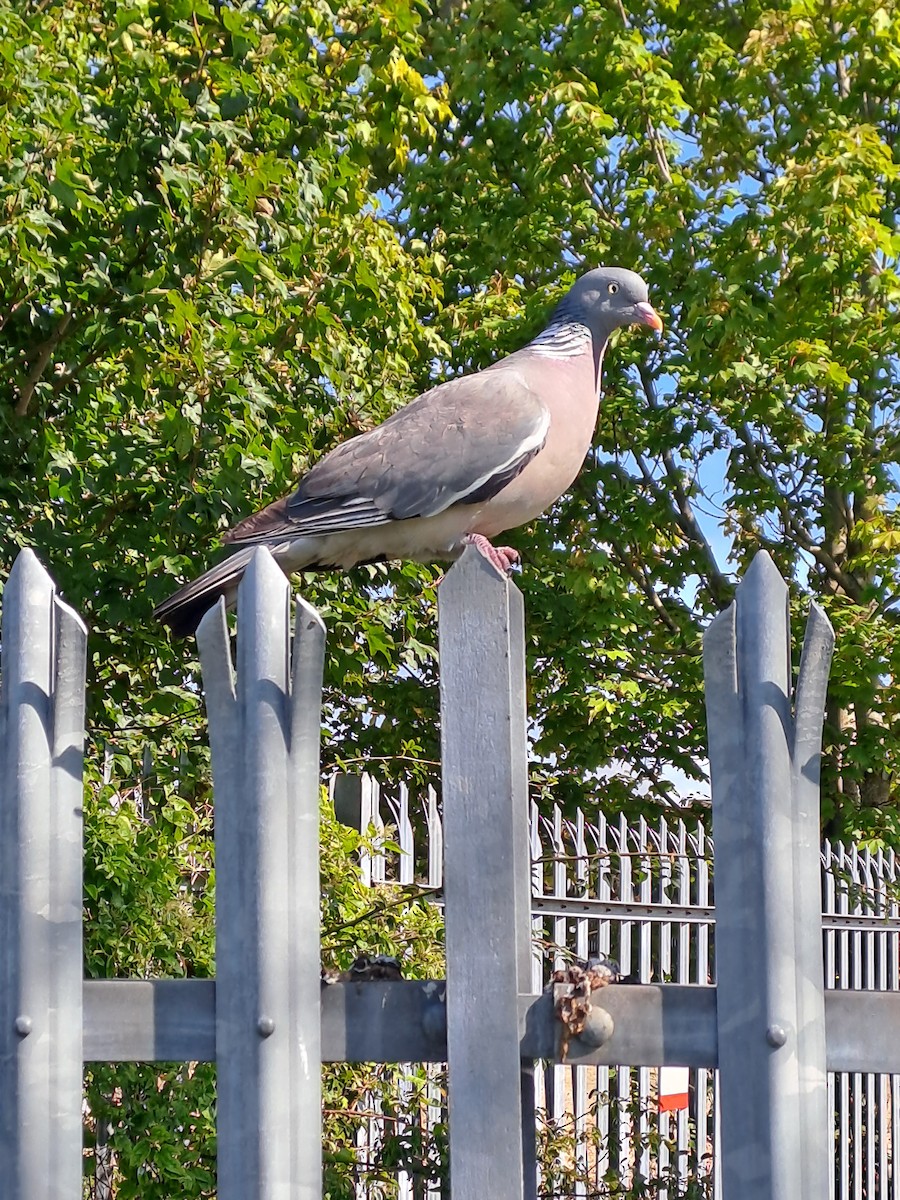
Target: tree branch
[[43, 353], [644, 584], [792, 524], [718, 583]]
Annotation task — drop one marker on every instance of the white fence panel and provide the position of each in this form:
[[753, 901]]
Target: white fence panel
[[643, 894]]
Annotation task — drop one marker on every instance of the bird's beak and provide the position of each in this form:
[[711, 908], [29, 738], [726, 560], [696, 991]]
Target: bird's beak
[[646, 314]]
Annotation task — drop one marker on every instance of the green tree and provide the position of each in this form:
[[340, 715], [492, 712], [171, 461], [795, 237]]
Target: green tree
[[232, 234], [745, 158], [198, 294]]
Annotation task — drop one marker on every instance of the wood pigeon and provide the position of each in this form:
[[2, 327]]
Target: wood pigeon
[[460, 464]]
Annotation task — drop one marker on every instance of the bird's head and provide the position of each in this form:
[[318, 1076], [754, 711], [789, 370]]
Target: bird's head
[[607, 298]]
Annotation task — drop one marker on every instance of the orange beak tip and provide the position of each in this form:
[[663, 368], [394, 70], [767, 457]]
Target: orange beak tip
[[647, 315]]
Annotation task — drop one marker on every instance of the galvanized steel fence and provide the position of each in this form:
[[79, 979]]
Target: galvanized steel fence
[[643, 894], [768, 1024]]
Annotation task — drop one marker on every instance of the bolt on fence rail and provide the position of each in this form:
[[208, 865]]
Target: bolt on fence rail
[[768, 1025]]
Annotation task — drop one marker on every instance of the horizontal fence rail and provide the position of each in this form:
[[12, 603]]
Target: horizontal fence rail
[[172, 1020]]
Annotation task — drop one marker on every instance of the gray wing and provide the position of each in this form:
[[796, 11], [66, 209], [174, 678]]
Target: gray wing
[[459, 443]]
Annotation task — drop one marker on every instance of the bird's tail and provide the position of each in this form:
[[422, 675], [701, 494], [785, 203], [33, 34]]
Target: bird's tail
[[184, 610]]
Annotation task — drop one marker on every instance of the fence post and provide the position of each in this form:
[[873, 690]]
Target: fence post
[[264, 737], [769, 968], [487, 877], [41, 744]]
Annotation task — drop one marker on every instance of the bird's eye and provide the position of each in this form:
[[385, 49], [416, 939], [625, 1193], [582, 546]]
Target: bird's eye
[[612, 288]]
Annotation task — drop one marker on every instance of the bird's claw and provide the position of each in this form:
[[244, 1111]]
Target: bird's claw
[[504, 558]]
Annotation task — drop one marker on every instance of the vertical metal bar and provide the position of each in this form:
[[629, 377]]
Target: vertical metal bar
[[618, 1101], [642, 1159], [372, 826], [765, 794], [543, 1071], [871, 1128], [435, 1114], [537, 889], [581, 852], [304, 976], [718, 1178], [856, 1085], [857, 1079], [41, 740], [576, 885], [579, 1130], [844, 1153], [869, 937], [520, 814], [405, 837], [559, 889], [664, 930], [857, 1146], [829, 905], [363, 1145], [704, 976], [409, 1184], [580, 887], [626, 893], [603, 1098], [880, 982], [435, 841], [832, 1114], [809, 967], [264, 737], [488, 878], [663, 1120], [683, 1140], [624, 1124], [891, 1124], [844, 1092], [895, 1130]]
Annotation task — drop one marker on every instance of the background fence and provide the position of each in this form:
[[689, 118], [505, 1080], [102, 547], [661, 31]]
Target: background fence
[[643, 894]]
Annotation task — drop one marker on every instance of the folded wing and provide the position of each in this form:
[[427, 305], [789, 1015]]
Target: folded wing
[[459, 443]]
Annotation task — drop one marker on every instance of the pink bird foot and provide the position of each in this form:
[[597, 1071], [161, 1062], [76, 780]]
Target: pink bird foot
[[504, 558]]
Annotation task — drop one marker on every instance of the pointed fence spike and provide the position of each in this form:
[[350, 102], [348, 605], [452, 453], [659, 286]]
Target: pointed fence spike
[[263, 616], [721, 691], [812, 686], [264, 735], [809, 716], [41, 745], [768, 953], [218, 671], [68, 684], [307, 670]]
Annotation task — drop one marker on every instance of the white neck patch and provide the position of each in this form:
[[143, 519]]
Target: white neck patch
[[565, 339]]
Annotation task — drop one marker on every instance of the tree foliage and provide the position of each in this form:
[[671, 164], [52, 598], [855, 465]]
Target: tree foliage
[[232, 235], [745, 158], [198, 297]]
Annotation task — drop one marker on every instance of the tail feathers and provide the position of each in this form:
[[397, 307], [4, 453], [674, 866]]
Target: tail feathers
[[184, 610]]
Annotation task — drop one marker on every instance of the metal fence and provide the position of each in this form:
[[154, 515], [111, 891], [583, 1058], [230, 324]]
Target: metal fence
[[643, 894], [769, 1026]]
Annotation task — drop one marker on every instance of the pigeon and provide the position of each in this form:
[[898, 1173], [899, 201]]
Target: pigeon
[[458, 465]]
